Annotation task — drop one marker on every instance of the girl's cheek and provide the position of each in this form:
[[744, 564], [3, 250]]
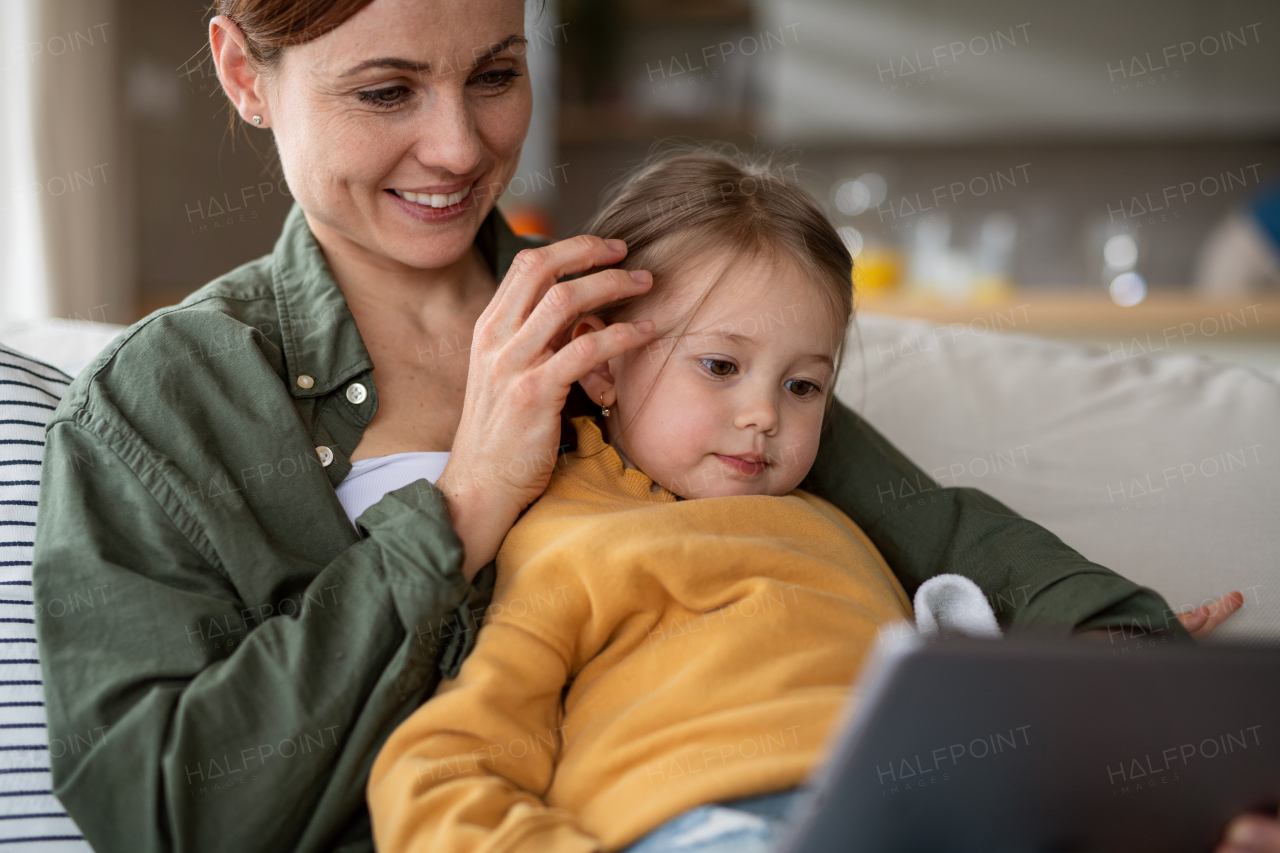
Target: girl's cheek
[[805, 458], [701, 404], [679, 434], [804, 452]]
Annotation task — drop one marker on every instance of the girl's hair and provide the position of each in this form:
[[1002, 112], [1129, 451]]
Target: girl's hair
[[685, 203]]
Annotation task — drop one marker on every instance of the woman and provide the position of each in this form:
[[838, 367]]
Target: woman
[[255, 648]]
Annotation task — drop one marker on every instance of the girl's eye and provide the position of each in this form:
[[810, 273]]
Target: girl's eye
[[801, 387], [719, 367], [495, 80], [392, 96]]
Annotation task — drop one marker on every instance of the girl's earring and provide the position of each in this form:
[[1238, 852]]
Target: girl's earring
[[604, 410], [257, 119]]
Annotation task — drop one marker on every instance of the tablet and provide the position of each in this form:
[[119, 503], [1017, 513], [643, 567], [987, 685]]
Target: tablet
[[1034, 745]]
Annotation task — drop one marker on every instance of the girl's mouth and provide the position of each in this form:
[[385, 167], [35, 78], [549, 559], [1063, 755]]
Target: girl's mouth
[[749, 467]]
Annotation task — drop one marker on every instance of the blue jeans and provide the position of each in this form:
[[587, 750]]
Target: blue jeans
[[740, 826]]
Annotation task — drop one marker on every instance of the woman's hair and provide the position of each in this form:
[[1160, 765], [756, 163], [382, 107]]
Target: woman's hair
[[686, 203], [270, 26]]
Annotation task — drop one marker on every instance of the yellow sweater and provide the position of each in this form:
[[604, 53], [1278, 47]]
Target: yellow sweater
[[707, 647]]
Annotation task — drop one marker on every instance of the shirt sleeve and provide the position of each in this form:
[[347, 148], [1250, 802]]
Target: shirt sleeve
[[467, 771], [1031, 578], [260, 735]]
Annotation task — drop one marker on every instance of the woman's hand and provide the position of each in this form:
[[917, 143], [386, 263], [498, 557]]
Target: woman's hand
[[1201, 621], [1251, 833], [522, 367], [1247, 833]]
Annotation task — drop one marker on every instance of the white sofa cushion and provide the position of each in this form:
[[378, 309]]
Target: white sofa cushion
[[1166, 470], [67, 344], [31, 818]]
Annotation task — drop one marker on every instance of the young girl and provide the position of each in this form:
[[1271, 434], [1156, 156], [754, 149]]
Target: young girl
[[674, 623]]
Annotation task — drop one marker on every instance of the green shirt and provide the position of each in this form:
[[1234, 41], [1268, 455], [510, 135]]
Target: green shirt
[[237, 651]]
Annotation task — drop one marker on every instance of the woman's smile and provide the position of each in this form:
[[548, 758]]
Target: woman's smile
[[433, 205]]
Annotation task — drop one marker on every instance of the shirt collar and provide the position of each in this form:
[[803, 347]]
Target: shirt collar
[[320, 337]]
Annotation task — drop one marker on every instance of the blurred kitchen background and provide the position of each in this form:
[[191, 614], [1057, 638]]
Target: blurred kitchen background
[[1097, 171]]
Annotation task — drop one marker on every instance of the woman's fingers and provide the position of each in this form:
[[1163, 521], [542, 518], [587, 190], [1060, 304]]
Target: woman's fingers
[[1221, 609], [1194, 620], [1252, 834], [1201, 622], [534, 271], [568, 300], [576, 358]]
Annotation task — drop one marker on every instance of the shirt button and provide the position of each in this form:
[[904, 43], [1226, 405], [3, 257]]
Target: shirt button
[[356, 393], [326, 456], [305, 381]]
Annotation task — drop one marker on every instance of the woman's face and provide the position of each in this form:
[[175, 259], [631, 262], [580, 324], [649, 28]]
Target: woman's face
[[399, 129]]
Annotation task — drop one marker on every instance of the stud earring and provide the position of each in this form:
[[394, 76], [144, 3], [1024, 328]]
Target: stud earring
[[604, 410], [257, 119]]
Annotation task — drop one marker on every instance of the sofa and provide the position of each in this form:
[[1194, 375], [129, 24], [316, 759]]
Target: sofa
[[1165, 469]]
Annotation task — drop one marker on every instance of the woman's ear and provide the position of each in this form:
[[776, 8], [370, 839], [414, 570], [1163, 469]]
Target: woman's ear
[[599, 382], [240, 79]]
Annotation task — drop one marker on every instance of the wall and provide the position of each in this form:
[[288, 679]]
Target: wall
[[206, 201]]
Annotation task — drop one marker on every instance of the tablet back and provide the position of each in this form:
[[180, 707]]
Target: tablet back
[[1034, 745]]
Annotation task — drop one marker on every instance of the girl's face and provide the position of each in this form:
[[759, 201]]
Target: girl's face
[[733, 404], [398, 130]]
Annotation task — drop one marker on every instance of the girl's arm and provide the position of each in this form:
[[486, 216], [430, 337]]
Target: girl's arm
[[469, 768], [1030, 577]]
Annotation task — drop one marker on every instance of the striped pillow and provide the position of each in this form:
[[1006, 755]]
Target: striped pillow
[[31, 818]]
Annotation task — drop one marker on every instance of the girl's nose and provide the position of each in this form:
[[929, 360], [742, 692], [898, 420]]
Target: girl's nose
[[758, 411]]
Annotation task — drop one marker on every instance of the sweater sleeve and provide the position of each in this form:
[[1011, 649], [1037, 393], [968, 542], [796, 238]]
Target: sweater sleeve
[[198, 722], [1031, 578], [467, 771]]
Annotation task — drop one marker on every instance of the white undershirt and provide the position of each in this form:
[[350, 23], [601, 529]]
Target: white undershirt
[[371, 479]]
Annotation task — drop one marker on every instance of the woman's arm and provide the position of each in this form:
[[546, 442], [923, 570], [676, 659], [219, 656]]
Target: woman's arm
[[203, 506], [185, 719], [1030, 577]]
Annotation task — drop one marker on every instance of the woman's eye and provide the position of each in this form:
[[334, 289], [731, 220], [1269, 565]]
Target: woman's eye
[[719, 367], [389, 97], [496, 79], [801, 387]]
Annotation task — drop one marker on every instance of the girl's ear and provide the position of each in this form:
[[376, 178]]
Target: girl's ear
[[599, 382]]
